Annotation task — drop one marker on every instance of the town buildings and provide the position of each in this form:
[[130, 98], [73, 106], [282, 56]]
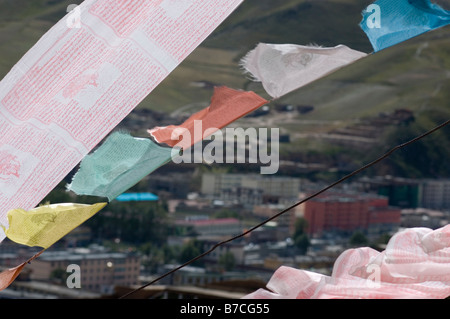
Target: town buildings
[[366, 206], [204, 226], [251, 189], [410, 193], [99, 271], [435, 193]]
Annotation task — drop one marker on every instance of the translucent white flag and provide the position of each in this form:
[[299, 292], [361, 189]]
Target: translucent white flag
[[283, 68]]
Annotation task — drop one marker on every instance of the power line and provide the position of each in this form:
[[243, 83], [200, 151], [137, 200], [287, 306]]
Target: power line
[[389, 153]]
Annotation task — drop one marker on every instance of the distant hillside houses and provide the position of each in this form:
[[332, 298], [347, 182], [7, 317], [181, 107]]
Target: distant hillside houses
[[366, 132]]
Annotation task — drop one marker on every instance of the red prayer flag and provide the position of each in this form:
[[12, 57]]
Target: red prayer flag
[[227, 105]]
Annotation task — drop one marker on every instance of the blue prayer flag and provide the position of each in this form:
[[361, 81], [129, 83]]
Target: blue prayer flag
[[389, 22]]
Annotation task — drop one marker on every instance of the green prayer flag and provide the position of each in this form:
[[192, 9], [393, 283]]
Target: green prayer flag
[[117, 165]]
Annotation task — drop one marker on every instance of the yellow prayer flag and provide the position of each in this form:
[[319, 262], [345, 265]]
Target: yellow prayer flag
[[45, 225]]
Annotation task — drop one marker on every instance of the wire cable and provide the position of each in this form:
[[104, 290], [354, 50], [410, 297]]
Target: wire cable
[[386, 155]]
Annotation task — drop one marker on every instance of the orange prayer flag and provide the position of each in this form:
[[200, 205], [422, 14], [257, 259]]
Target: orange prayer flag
[[227, 105], [8, 276]]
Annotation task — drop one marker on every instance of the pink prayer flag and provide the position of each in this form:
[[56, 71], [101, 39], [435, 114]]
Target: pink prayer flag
[[414, 265], [227, 105], [82, 78]]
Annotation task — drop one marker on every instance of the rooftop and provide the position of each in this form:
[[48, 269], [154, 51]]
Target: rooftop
[[347, 197], [137, 197], [209, 222], [80, 254]]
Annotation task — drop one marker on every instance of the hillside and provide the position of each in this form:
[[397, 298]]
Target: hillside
[[414, 76]]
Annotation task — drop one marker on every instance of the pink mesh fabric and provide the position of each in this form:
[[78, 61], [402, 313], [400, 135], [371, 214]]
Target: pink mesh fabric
[[414, 265]]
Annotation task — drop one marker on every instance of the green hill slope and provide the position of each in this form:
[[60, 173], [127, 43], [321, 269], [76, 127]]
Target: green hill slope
[[414, 75]]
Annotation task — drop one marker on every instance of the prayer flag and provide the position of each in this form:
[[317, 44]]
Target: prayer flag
[[283, 68], [118, 164], [227, 105], [8, 276], [401, 20], [415, 264], [45, 225]]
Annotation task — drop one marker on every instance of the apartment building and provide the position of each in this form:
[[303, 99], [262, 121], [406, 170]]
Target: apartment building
[[344, 213], [251, 189], [99, 271], [435, 194]]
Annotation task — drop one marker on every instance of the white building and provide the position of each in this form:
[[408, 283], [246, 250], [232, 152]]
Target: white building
[[435, 193], [271, 188]]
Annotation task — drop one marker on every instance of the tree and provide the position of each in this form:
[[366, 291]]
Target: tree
[[226, 213], [59, 275], [302, 243], [301, 240], [57, 195], [227, 261], [189, 251], [133, 223], [156, 255], [358, 239]]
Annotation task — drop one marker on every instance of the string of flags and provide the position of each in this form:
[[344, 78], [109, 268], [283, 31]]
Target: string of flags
[[76, 84]]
